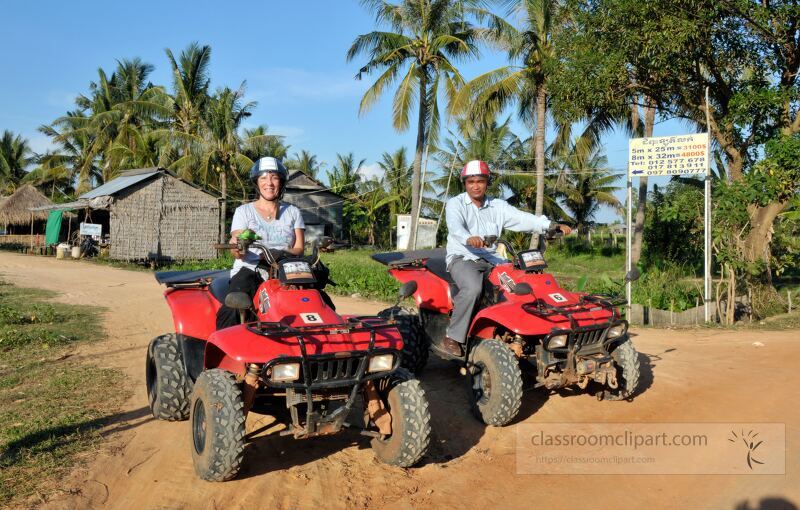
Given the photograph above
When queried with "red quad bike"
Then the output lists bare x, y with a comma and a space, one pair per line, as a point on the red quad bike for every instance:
524, 322
297, 360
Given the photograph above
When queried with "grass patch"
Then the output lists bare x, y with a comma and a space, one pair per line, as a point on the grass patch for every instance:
50, 407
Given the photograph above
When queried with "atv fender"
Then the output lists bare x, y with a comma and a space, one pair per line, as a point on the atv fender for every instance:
436, 291
510, 316
194, 311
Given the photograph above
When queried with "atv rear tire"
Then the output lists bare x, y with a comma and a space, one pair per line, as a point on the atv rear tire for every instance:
495, 382
627, 361
218, 429
167, 384
415, 345
411, 422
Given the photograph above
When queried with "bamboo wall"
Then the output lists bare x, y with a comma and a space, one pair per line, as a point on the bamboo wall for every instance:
164, 219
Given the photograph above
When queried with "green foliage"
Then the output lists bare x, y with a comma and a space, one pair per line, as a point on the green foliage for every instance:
673, 230
356, 273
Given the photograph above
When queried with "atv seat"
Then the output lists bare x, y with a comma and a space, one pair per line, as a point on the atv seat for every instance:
219, 288
438, 266
220, 279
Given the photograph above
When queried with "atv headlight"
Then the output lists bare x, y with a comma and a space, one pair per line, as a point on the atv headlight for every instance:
617, 331
557, 342
381, 363
285, 372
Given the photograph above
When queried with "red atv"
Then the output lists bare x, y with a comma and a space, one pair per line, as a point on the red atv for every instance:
524, 322
292, 357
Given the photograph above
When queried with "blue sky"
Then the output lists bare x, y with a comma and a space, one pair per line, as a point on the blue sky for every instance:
292, 55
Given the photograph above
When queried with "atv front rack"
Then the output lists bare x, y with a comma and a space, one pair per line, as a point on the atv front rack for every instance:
546, 311
326, 371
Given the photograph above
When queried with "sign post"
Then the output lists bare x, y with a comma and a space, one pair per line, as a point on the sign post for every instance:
665, 156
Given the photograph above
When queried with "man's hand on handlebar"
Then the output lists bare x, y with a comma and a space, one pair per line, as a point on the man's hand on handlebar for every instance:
565, 229
475, 242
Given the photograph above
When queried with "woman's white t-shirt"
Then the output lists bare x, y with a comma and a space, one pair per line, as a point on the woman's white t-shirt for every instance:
277, 233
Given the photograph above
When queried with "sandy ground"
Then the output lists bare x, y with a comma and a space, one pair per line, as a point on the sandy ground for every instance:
688, 376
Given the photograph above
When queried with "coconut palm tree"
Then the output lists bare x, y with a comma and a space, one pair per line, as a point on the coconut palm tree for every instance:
118, 111
524, 82
190, 82
397, 173
15, 157
345, 176
424, 40
220, 155
72, 157
259, 143
588, 184
305, 162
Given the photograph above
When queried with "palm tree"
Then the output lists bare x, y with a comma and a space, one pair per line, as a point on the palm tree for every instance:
397, 172
259, 143
15, 157
73, 155
305, 162
119, 110
588, 184
524, 84
344, 177
427, 37
190, 82
220, 154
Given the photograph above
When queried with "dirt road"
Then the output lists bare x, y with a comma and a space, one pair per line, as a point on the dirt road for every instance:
688, 376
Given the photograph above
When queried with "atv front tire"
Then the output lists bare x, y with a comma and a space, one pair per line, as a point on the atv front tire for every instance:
627, 360
495, 382
218, 429
167, 383
411, 421
415, 345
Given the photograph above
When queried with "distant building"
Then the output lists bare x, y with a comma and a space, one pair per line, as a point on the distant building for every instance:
321, 208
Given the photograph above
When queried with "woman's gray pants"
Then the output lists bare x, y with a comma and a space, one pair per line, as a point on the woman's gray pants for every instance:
468, 275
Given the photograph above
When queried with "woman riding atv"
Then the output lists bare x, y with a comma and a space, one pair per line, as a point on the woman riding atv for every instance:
279, 225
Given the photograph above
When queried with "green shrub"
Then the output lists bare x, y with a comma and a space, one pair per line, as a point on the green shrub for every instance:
355, 272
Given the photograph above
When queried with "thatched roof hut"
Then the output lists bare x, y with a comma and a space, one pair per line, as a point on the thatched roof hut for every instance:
152, 215
15, 210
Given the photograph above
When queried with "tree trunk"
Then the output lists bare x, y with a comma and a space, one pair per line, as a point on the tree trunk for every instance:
538, 140
641, 205
416, 179
223, 208
756, 244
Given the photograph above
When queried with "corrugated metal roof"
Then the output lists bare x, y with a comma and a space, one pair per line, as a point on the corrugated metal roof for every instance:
120, 183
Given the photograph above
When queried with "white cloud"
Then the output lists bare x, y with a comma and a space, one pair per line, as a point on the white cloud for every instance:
291, 133
61, 99
41, 143
292, 84
367, 172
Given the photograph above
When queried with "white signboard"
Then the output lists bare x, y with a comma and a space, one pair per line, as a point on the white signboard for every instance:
668, 155
91, 229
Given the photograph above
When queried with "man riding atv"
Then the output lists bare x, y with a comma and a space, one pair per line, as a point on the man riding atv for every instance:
470, 217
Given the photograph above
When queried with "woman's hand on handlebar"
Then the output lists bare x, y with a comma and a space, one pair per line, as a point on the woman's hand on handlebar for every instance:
235, 252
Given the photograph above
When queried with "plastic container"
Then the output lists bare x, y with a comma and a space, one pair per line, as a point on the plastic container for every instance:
62, 251
76, 252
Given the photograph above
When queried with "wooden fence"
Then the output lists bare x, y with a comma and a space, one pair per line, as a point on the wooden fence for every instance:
645, 315
25, 240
